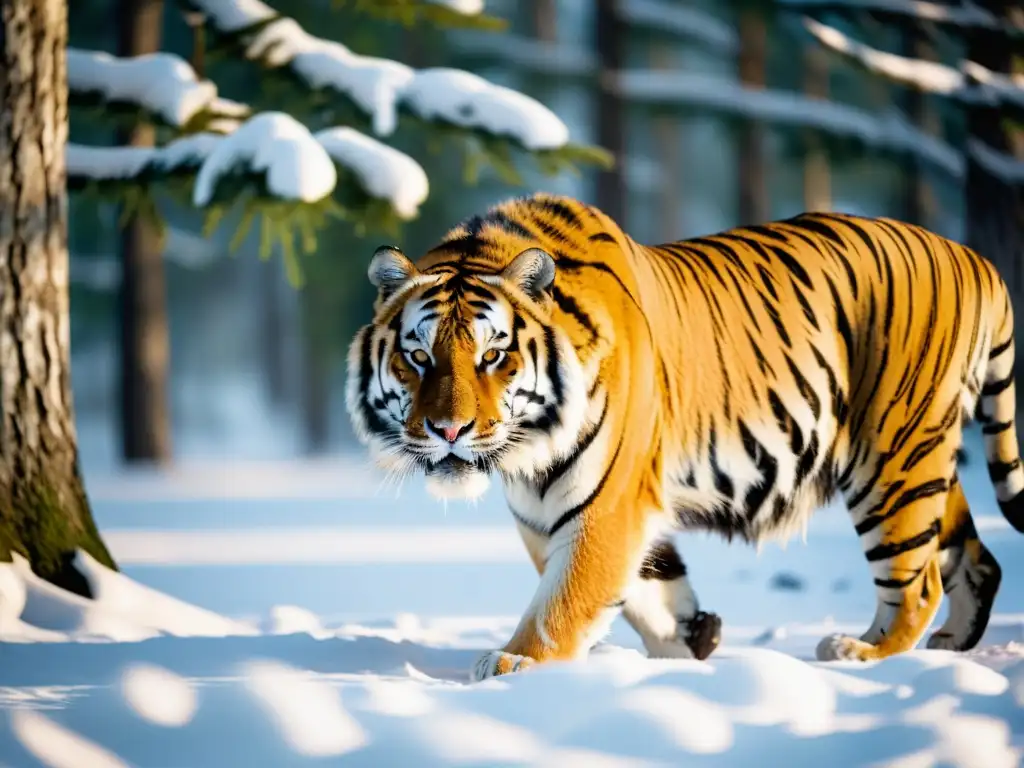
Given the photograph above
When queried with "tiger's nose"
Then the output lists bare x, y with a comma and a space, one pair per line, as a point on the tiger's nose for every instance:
449, 431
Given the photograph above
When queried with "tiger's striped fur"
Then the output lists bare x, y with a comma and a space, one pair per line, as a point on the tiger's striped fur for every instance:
731, 383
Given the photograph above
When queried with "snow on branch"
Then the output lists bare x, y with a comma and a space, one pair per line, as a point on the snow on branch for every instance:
680, 20
889, 131
379, 87
271, 152
383, 171
1005, 167
972, 83
161, 85
964, 15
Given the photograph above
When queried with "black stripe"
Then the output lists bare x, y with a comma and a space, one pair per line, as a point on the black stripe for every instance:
766, 465
663, 563
601, 237
892, 549
990, 390
996, 427
573, 513
557, 470
905, 499
999, 349
998, 471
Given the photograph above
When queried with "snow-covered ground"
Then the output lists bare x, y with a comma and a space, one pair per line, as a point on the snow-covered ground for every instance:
298, 614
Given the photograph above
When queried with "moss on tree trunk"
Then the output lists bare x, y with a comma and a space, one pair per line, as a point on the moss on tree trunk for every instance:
44, 512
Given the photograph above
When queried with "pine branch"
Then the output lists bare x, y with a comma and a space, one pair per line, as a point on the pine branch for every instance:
971, 83
381, 89
966, 15
159, 88
458, 14
887, 132
273, 169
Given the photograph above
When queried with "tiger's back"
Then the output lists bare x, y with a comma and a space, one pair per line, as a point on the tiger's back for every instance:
732, 382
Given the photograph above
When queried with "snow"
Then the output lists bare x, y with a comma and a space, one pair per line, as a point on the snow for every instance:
296, 165
925, 75
888, 130
686, 22
972, 83
1001, 165
966, 14
465, 7
380, 86
162, 83
120, 163
383, 171
464, 99
361, 655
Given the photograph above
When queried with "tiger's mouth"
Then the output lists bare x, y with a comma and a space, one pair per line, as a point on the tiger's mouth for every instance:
451, 466
454, 478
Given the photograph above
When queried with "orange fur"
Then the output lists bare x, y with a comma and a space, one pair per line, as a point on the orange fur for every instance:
730, 383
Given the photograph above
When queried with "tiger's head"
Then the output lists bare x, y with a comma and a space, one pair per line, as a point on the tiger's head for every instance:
461, 373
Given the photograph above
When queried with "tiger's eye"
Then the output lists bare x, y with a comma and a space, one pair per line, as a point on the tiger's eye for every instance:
420, 357
491, 356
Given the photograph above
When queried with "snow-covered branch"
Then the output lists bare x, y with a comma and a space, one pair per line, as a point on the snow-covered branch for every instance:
380, 87
971, 83
162, 86
272, 153
889, 131
680, 20
1004, 167
963, 15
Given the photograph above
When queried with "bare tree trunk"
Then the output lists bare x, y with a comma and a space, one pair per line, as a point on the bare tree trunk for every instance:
817, 181
995, 210
316, 384
44, 512
271, 320
666, 130
753, 64
611, 109
919, 202
145, 344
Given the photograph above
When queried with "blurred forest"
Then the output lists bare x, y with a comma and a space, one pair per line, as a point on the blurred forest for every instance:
718, 112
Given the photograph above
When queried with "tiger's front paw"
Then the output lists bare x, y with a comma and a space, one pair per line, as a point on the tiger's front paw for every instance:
494, 663
843, 648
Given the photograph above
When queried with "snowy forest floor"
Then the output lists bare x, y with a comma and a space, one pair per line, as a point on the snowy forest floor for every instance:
301, 614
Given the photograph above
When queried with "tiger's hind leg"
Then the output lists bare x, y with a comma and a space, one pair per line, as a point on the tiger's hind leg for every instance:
970, 577
898, 511
662, 608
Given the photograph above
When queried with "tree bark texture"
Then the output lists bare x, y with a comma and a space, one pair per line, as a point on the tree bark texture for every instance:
753, 64
44, 512
142, 304
610, 35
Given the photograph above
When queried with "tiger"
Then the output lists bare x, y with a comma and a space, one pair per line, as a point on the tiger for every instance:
732, 383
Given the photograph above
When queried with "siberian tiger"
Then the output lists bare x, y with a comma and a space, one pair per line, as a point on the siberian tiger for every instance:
731, 383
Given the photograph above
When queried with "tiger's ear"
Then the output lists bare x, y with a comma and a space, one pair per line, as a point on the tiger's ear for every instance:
389, 270
532, 271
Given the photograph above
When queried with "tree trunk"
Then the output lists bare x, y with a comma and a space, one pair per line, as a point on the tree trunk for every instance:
610, 35
919, 202
271, 321
145, 344
817, 181
316, 379
667, 138
44, 512
753, 63
995, 210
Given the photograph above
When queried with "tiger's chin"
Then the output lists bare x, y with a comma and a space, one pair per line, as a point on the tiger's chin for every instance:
452, 478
